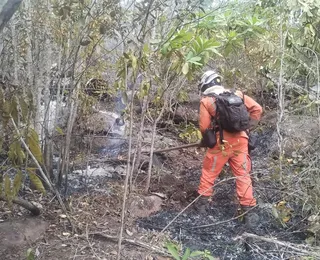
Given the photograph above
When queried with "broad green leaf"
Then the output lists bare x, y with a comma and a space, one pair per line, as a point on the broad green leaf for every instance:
199, 134
34, 146
173, 251
228, 49
36, 180
15, 154
196, 253
190, 55
196, 63
146, 48
214, 50
7, 187
195, 60
185, 68
17, 184
186, 254
126, 55
6, 111
30, 254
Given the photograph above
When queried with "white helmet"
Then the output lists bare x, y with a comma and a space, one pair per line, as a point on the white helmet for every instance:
208, 79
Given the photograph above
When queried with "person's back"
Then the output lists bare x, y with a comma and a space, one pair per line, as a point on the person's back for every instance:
233, 148
208, 112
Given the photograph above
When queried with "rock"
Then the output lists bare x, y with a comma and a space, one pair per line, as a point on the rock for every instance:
94, 172
108, 130
121, 170
144, 206
314, 92
186, 113
103, 122
298, 132
17, 233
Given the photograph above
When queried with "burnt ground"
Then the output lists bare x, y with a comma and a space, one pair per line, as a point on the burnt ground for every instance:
224, 226
94, 206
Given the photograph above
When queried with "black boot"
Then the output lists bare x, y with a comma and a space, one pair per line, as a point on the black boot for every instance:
251, 218
202, 204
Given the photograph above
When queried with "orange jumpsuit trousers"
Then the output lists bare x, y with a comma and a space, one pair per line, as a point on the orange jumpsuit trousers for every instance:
234, 150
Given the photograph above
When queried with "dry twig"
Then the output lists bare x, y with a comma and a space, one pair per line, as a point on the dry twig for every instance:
114, 239
298, 248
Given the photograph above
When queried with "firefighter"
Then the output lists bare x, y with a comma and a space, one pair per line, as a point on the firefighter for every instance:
233, 149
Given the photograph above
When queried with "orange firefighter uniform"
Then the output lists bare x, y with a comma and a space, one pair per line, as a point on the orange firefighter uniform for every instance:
233, 150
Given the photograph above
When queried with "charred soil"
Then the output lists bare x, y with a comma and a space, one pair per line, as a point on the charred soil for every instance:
94, 206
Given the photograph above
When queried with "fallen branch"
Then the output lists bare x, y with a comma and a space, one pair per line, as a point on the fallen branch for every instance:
298, 248
115, 239
25, 204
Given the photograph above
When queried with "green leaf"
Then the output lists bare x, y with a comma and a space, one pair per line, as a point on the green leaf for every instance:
173, 251
33, 143
7, 187
186, 254
17, 184
59, 130
146, 48
189, 55
185, 68
15, 154
30, 254
134, 63
36, 180
196, 253
6, 111
195, 60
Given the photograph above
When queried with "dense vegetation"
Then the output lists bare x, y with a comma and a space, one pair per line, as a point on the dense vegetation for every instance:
51, 50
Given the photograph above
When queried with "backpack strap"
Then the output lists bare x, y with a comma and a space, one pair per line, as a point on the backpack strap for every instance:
215, 119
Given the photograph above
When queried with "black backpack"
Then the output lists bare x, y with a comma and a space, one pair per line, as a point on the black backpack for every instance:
231, 113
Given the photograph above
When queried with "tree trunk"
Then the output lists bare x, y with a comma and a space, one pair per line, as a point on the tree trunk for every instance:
137, 156
7, 10
66, 149
49, 120
25, 204
14, 37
